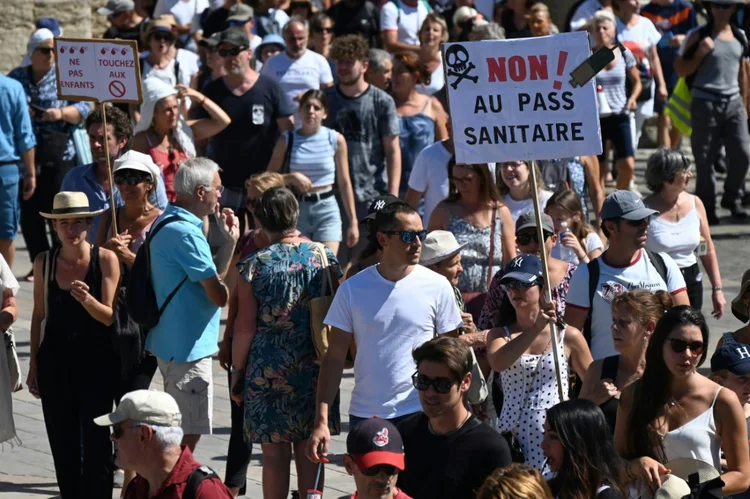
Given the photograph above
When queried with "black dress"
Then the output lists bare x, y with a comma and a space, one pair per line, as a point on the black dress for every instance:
609, 408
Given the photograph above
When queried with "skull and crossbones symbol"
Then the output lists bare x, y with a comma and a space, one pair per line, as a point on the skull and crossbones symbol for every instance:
457, 59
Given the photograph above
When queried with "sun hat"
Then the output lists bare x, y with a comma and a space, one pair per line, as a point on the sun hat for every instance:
464, 13
69, 204
524, 268
36, 39
738, 308
528, 219
116, 7
165, 22
375, 441
439, 245
145, 406
272, 39
134, 160
626, 205
701, 479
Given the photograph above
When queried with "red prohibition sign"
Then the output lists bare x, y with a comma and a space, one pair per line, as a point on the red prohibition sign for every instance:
117, 88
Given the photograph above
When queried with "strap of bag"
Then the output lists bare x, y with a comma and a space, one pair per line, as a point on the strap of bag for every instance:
45, 276
327, 278
593, 268
147, 249
491, 258
287, 165
194, 480
658, 262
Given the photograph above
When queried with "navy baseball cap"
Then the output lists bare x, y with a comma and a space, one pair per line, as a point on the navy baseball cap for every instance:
524, 268
734, 357
375, 441
626, 205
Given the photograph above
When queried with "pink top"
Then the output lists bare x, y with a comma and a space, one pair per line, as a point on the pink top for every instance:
168, 163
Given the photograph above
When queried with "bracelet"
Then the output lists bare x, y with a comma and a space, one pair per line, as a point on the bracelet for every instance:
717, 288
238, 369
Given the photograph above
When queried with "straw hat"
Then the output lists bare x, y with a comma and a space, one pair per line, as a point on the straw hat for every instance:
70, 205
165, 22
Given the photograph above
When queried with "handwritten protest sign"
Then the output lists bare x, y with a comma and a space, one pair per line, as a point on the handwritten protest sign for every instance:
98, 70
513, 99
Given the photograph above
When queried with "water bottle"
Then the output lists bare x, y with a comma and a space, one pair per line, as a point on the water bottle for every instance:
566, 254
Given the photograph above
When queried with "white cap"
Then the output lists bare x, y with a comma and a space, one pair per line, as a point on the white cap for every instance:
146, 406
134, 160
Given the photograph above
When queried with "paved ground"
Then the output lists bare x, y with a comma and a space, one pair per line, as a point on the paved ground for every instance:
27, 471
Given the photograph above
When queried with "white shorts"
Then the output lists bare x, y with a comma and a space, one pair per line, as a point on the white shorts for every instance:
191, 384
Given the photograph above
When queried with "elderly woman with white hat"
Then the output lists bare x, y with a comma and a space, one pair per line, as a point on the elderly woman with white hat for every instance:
165, 135
72, 362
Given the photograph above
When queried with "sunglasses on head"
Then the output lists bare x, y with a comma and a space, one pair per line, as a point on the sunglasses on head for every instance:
408, 236
679, 346
163, 37
440, 385
524, 239
507, 286
46, 50
131, 179
380, 468
233, 52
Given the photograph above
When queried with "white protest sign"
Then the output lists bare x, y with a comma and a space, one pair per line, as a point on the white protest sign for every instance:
98, 70
511, 99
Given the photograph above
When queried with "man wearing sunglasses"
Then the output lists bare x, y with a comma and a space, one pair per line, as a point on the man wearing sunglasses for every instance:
124, 21
625, 265
449, 452
388, 309
374, 457
259, 111
146, 432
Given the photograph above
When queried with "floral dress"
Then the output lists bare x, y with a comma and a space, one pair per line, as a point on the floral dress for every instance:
475, 255
282, 374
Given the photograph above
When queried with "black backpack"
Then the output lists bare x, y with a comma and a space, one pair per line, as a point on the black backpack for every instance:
656, 260
141, 298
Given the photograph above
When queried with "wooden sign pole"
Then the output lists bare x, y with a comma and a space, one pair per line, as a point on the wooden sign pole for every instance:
112, 206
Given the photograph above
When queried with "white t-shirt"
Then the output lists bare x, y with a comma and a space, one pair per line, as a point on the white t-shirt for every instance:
404, 18
583, 13
592, 242
437, 81
613, 281
189, 63
518, 208
389, 320
7, 279
297, 76
639, 39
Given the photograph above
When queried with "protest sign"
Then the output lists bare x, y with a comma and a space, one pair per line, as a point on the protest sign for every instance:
513, 99
98, 70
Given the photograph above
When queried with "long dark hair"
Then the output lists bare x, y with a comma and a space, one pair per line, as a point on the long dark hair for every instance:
590, 459
488, 192
651, 395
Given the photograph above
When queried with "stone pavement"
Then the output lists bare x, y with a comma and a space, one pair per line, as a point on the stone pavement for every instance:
27, 471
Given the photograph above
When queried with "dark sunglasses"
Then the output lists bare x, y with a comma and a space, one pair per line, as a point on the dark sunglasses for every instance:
679, 346
524, 239
324, 30
638, 223
46, 50
233, 52
118, 430
164, 37
440, 385
380, 468
408, 236
507, 286
131, 179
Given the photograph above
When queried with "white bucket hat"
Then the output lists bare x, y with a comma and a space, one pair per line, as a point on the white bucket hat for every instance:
439, 245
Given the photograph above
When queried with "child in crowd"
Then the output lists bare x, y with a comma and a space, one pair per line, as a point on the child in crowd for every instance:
565, 207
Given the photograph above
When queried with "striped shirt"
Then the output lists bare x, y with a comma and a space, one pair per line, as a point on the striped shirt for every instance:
613, 82
313, 156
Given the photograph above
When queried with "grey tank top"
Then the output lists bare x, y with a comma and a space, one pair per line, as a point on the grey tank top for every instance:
717, 76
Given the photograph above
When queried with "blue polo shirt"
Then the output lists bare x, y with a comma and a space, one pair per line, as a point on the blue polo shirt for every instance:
16, 133
189, 327
83, 179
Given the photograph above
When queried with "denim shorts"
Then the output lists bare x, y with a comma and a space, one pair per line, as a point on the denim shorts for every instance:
10, 204
320, 220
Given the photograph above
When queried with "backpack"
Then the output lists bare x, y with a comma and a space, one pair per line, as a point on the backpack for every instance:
593, 266
194, 480
705, 31
141, 298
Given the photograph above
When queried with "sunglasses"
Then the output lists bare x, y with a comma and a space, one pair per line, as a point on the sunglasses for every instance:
462, 180
507, 286
380, 468
440, 385
408, 236
233, 52
164, 37
118, 430
131, 179
46, 50
524, 239
679, 346
638, 223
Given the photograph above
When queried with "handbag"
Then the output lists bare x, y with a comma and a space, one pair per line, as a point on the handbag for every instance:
474, 300
319, 309
478, 391
14, 366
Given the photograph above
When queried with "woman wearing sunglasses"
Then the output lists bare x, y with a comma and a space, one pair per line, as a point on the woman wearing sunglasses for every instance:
165, 135
164, 60
520, 349
321, 29
675, 412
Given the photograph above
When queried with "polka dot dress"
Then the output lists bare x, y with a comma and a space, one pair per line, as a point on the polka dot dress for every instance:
515, 381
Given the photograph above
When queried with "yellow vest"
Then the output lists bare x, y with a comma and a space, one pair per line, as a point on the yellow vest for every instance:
678, 107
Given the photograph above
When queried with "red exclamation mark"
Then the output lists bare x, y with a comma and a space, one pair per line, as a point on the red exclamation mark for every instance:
561, 60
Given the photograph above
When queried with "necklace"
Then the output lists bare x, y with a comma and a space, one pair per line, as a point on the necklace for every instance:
432, 430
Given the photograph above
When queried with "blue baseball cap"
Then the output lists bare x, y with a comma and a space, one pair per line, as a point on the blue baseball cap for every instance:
524, 268
626, 205
734, 357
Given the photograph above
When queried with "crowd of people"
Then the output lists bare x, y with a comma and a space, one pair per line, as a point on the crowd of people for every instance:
293, 161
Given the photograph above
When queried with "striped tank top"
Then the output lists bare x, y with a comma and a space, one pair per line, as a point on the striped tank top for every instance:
313, 156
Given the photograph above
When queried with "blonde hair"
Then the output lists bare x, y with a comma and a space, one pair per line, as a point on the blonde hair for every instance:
515, 482
539, 7
435, 19
505, 190
264, 181
602, 16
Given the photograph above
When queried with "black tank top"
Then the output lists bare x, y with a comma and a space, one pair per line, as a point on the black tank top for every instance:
609, 408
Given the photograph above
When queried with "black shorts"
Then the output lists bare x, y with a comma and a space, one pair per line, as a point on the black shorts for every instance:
616, 129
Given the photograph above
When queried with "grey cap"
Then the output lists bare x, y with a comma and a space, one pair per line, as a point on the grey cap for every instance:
116, 7
528, 219
211, 41
626, 205
240, 12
